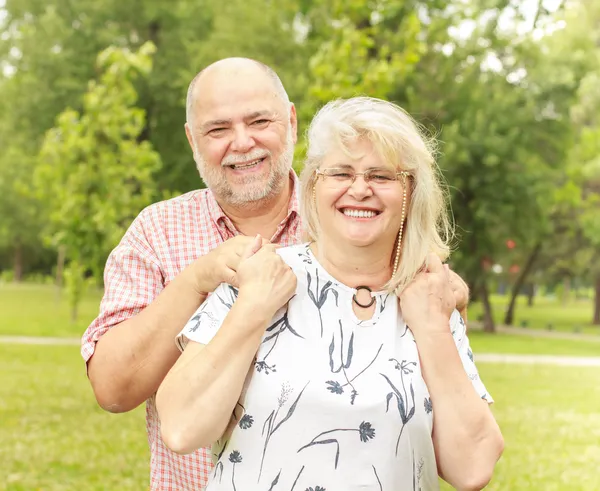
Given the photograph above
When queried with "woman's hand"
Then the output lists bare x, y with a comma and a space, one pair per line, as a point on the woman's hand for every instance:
264, 278
428, 301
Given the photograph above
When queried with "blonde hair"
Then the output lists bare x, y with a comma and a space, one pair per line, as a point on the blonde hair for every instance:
399, 141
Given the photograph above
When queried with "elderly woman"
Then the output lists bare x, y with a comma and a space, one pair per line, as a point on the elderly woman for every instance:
353, 368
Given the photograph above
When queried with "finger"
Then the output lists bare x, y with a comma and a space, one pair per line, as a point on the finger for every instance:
434, 264
231, 278
252, 248
271, 247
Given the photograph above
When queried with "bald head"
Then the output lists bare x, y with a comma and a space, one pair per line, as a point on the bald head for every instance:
240, 69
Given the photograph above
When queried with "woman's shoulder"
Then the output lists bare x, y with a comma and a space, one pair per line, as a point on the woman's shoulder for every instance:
296, 255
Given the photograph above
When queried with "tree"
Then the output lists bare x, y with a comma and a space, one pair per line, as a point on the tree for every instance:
94, 173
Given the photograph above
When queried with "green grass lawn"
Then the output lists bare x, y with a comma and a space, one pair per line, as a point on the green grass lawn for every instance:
55, 438
550, 419
482, 342
575, 314
33, 310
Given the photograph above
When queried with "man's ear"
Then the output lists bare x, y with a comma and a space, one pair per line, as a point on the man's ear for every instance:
190, 137
294, 123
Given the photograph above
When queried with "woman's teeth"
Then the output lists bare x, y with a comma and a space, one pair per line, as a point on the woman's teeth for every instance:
359, 213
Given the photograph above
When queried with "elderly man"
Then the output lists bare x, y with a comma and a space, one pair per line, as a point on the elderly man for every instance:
242, 129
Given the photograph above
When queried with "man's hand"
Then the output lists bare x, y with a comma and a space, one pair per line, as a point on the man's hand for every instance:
220, 265
461, 293
428, 301
265, 280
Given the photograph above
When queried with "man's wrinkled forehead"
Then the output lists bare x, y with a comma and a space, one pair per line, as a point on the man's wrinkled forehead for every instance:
234, 95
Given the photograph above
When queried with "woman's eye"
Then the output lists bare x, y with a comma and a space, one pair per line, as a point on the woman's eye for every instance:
341, 175
381, 177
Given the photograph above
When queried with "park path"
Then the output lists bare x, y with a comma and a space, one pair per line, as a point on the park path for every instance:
539, 333
40, 340
573, 361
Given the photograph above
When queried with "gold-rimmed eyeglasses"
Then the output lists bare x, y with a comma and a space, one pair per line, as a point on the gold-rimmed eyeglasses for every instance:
373, 177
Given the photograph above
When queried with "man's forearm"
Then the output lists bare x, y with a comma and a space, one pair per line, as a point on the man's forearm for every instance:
132, 358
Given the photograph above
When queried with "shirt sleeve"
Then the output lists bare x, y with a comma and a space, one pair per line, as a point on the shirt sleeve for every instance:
459, 333
133, 278
209, 317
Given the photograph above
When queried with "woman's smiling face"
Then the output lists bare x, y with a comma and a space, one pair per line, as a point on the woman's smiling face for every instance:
359, 213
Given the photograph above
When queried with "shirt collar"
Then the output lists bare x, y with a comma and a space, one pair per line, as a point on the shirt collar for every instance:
220, 219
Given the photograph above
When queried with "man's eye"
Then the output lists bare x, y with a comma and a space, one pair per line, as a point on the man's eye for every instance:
260, 122
216, 131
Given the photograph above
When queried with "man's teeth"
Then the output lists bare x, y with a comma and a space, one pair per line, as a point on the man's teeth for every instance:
246, 166
359, 213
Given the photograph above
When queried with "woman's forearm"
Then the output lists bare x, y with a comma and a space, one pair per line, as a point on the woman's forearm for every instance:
466, 437
199, 394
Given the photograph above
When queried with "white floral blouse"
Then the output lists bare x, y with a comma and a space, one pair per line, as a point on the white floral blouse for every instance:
332, 403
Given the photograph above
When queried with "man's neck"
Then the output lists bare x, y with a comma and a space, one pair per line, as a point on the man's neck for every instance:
262, 217
355, 266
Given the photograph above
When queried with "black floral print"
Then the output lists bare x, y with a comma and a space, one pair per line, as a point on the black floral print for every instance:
246, 422
334, 387
470, 354
428, 405
271, 425
229, 296
305, 256
365, 430
200, 318
401, 398
377, 477
297, 477
345, 361
320, 297
235, 458
274, 331
275, 481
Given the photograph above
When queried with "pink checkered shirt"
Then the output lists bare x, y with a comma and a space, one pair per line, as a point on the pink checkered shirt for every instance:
161, 242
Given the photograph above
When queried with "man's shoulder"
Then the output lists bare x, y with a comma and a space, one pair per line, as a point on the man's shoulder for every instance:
194, 202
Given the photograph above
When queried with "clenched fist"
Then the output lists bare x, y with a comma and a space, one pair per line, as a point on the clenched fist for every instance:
428, 301
264, 278
220, 265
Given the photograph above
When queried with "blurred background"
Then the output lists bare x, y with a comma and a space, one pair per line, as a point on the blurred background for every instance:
92, 108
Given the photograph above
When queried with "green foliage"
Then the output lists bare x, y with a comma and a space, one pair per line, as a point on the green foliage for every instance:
94, 173
512, 103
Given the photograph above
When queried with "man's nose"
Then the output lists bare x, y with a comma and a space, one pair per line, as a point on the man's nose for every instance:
242, 139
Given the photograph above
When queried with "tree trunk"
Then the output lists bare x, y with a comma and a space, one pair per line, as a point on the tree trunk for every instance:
530, 294
488, 319
18, 263
74, 313
596, 321
566, 290
60, 266
510, 311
